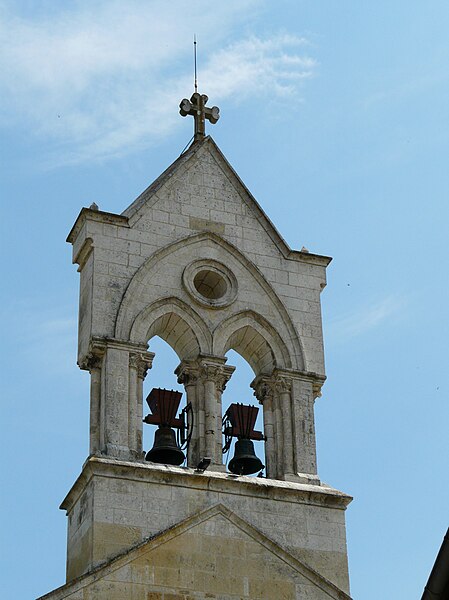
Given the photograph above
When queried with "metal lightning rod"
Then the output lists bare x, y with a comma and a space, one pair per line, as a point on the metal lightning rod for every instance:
194, 60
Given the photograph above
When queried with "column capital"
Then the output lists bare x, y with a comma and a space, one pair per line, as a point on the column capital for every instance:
187, 372
213, 368
283, 383
93, 359
142, 361
315, 379
263, 386
99, 345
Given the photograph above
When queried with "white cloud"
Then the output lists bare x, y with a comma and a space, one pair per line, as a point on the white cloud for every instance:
100, 79
357, 323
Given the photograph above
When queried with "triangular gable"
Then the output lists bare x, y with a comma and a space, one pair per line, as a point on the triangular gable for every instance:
161, 552
149, 196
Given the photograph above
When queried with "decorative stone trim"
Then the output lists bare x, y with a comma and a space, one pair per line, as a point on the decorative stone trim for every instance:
142, 361
316, 379
210, 283
187, 373
283, 383
216, 371
94, 359
263, 388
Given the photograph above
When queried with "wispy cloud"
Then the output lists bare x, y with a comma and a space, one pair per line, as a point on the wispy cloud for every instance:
99, 79
45, 338
359, 322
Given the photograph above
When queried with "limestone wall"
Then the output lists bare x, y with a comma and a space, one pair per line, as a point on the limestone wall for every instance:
114, 505
202, 195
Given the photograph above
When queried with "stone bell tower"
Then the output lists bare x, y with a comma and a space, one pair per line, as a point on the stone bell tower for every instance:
195, 261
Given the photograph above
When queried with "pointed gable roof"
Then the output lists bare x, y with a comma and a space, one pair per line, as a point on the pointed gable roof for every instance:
139, 551
148, 197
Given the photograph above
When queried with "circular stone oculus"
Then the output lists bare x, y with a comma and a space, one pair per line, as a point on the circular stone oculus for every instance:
210, 283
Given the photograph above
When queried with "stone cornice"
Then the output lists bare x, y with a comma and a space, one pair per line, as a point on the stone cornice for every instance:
95, 215
321, 495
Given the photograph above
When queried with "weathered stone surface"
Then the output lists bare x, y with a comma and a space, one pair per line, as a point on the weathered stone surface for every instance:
137, 281
174, 209
213, 554
195, 261
116, 504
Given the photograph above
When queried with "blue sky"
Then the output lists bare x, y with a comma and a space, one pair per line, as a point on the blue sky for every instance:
336, 116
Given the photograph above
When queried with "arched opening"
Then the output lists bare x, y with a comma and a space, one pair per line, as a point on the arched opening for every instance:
238, 390
161, 375
178, 334
250, 344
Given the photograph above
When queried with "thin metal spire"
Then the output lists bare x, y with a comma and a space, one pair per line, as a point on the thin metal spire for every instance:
194, 60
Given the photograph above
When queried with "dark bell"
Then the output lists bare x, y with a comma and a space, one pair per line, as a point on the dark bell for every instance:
245, 460
165, 450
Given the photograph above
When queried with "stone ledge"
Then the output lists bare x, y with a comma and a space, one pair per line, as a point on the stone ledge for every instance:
95, 215
287, 491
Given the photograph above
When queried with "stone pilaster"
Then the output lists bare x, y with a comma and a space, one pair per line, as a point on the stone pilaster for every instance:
306, 388
287, 398
264, 392
139, 364
117, 372
283, 387
93, 363
294, 409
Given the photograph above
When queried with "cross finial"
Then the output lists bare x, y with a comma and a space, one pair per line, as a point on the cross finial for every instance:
196, 107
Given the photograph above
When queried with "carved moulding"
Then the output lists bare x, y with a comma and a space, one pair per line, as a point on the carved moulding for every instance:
98, 347
142, 362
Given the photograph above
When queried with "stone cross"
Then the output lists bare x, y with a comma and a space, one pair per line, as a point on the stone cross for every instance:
196, 107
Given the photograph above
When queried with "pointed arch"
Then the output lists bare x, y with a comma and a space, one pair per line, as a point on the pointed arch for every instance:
133, 302
255, 339
176, 323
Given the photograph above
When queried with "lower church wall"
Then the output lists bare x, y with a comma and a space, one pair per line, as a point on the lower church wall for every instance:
115, 505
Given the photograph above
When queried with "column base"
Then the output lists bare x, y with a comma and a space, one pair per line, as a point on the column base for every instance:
121, 453
217, 468
301, 478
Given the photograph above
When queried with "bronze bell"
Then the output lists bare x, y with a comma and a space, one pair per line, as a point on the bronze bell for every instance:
245, 461
165, 449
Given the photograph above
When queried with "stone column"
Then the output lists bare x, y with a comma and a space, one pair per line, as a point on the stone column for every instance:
188, 375
306, 387
264, 392
116, 396
93, 363
214, 375
139, 364
283, 386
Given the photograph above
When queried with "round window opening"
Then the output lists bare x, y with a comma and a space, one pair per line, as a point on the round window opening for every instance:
210, 284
